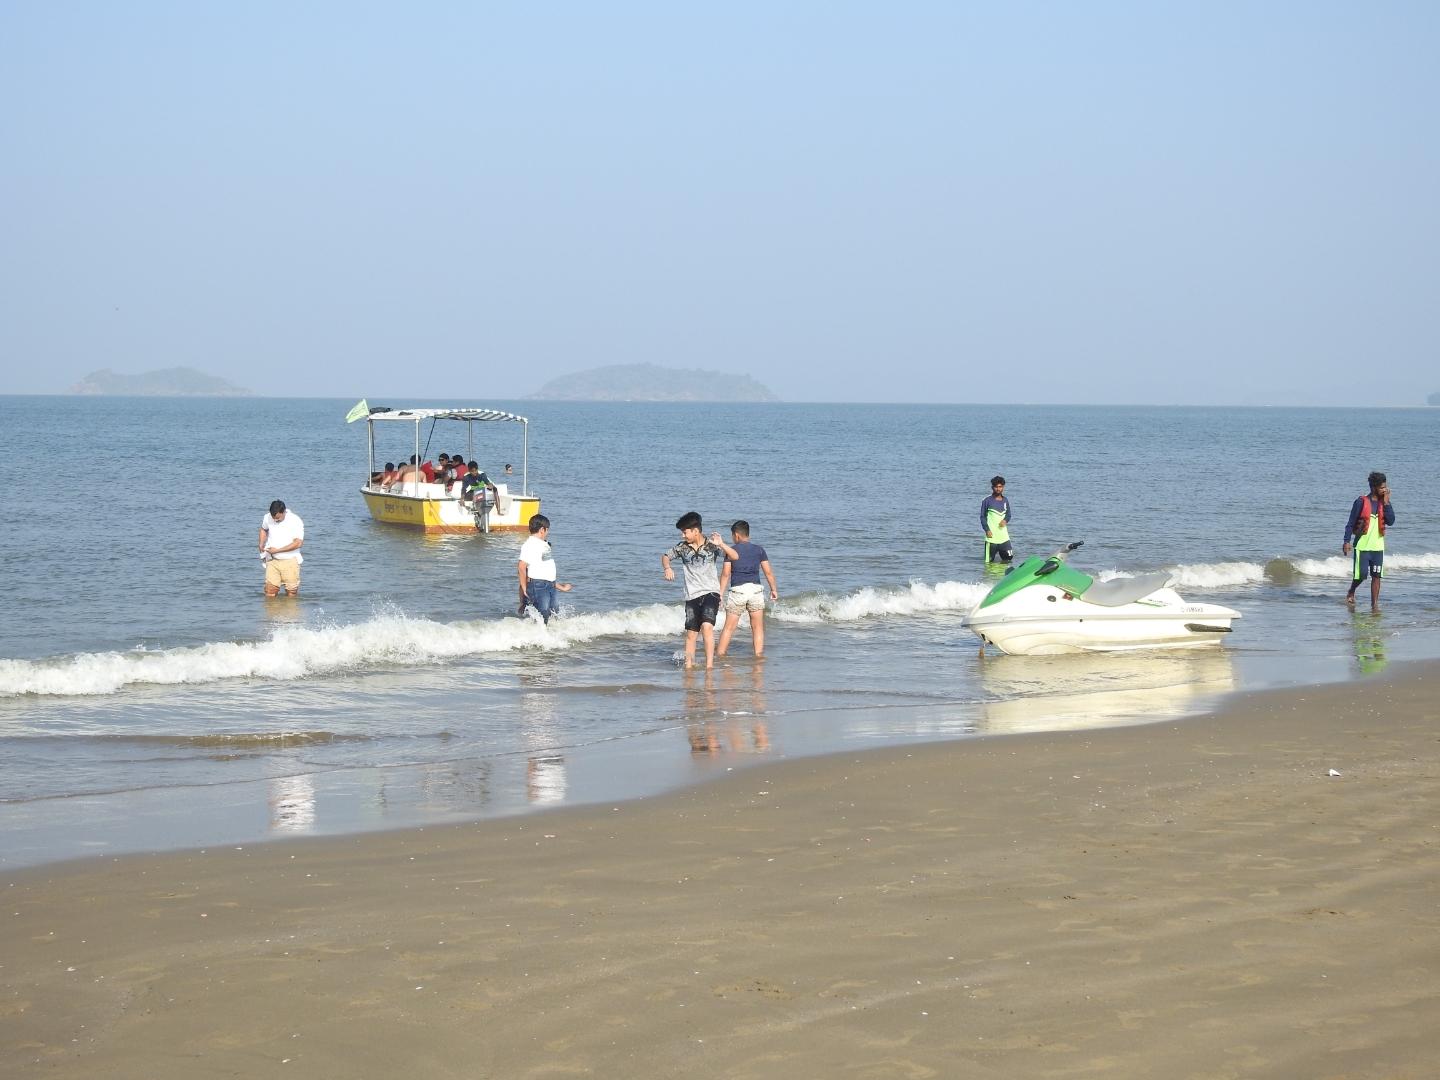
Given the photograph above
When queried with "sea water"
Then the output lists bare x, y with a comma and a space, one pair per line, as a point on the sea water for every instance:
151, 697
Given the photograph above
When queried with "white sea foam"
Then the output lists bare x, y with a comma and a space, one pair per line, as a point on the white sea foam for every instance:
1201, 575
869, 602
1342, 566
1222, 575
296, 652
392, 638
1216, 575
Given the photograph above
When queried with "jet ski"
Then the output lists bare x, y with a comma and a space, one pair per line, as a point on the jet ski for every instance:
1043, 606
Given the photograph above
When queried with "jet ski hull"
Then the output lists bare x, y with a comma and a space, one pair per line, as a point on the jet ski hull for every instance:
1043, 621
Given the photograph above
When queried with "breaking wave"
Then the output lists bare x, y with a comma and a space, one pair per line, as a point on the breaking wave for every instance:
870, 602
295, 652
1223, 575
394, 639
1342, 566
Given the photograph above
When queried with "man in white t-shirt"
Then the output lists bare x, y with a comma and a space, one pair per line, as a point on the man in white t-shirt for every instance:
281, 534
537, 569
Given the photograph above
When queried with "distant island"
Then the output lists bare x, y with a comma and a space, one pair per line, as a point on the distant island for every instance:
650, 382
168, 382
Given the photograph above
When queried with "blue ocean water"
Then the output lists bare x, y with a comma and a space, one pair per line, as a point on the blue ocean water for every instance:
150, 696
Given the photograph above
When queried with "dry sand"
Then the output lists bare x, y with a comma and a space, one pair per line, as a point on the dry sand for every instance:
1189, 899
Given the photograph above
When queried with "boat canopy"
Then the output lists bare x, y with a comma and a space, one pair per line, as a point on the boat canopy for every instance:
469, 415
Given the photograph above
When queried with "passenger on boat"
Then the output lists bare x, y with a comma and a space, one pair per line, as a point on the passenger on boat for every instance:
476, 481
384, 478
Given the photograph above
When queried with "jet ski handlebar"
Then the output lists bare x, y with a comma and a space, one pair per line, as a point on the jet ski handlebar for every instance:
1050, 565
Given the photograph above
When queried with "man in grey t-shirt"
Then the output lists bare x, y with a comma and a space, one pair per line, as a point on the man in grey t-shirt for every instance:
701, 561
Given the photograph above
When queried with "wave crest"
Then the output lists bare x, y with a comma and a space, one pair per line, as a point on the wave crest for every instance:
869, 602
392, 638
295, 652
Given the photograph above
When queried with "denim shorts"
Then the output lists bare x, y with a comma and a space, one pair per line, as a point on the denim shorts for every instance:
701, 610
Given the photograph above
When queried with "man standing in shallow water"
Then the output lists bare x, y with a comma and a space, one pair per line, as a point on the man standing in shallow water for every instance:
281, 534
995, 520
700, 559
740, 589
1370, 516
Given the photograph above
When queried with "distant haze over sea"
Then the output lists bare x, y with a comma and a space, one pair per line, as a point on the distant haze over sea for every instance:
651, 382
165, 382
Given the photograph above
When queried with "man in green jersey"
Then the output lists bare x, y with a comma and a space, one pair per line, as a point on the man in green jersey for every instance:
995, 520
1370, 516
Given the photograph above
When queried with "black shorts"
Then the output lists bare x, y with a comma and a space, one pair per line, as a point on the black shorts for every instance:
999, 552
701, 610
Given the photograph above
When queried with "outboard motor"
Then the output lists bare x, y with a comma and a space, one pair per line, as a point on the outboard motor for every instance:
480, 506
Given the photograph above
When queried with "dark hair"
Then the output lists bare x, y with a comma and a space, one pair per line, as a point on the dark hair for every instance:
538, 522
277, 507
740, 528
508, 465
1376, 479
996, 480
688, 521
474, 465
389, 466
445, 456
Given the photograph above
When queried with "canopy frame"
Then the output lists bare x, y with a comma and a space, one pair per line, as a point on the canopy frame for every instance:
469, 417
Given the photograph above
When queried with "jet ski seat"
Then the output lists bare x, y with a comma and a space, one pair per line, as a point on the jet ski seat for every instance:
1126, 590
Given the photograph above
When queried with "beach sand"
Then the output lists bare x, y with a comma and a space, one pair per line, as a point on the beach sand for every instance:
1197, 898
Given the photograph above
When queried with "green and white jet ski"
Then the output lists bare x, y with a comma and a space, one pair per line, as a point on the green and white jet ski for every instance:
1042, 607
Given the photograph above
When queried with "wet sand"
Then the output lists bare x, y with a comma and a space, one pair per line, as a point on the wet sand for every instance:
1189, 899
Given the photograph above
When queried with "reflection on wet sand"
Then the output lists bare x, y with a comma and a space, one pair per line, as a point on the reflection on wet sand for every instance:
1065, 693
546, 781
725, 710
456, 785
1369, 633
292, 804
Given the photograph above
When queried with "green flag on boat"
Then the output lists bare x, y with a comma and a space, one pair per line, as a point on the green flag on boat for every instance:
359, 412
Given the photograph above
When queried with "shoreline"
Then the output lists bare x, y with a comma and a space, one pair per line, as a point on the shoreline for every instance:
1195, 897
339, 799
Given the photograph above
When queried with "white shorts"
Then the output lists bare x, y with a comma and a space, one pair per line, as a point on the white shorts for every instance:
747, 597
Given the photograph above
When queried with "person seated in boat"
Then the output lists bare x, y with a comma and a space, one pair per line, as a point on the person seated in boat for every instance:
385, 477
424, 469
476, 483
456, 473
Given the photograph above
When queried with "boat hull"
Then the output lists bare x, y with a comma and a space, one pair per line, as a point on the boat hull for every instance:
435, 513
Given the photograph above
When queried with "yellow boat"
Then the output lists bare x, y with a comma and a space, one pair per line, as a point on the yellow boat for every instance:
439, 508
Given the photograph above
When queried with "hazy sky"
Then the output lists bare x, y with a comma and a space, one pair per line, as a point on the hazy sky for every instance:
1033, 202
